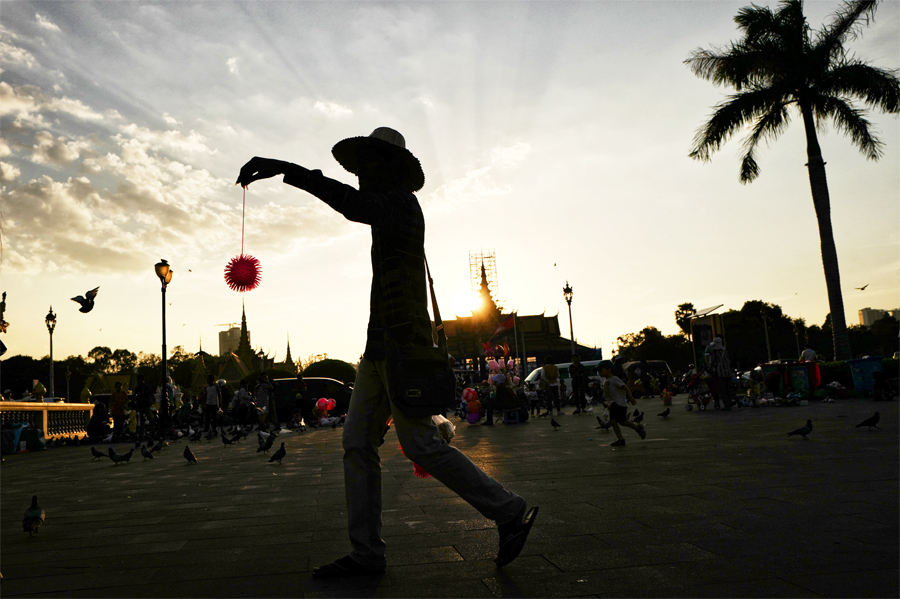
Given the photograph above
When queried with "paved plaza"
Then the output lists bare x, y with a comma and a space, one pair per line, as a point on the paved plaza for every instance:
711, 504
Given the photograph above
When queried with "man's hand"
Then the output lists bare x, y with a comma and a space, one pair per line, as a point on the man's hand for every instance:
261, 168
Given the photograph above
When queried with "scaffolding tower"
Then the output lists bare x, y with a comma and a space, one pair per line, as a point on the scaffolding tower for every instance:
488, 259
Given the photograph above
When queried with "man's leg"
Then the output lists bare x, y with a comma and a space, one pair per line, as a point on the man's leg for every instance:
363, 428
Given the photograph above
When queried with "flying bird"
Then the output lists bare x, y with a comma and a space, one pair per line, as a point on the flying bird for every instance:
33, 518
665, 413
278, 455
870, 422
555, 424
189, 455
863, 288
147, 454
86, 300
803, 431
97, 455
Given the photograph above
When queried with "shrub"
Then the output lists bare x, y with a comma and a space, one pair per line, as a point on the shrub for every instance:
333, 369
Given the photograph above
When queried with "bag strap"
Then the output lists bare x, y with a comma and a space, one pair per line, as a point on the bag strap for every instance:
438, 323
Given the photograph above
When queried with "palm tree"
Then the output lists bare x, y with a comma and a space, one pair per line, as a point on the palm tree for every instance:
781, 65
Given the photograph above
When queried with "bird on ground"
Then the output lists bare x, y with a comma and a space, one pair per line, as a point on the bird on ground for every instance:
33, 518
278, 455
195, 436
555, 424
97, 455
870, 422
159, 445
237, 437
863, 288
665, 413
147, 454
109, 438
189, 455
803, 431
604, 426
225, 440
266, 445
120, 458
212, 433
639, 418
86, 300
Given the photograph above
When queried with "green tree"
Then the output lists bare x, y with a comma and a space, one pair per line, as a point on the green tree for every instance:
334, 369
683, 317
122, 360
778, 66
101, 358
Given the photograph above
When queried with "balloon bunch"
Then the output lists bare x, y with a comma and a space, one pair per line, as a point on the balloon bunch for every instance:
326, 404
473, 406
502, 370
491, 351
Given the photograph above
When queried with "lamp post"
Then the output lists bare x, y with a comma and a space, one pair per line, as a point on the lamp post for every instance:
50, 319
567, 293
165, 277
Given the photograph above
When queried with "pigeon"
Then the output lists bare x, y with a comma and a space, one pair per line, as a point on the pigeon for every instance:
803, 431
638, 418
109, 438
225, 440
665, 413
195, 436
604, 426
120, 458
147, 454
278, 455
266, 445
236, 437
33, 518
555, 424
870, 422
86, 300
863, 288
158, 446
189, 455
97, 455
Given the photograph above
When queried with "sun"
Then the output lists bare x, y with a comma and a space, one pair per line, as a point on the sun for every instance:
465, 302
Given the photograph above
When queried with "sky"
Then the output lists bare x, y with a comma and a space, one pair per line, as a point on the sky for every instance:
554, 133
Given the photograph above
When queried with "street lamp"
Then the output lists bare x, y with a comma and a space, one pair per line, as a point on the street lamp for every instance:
50, 319
165, 277
567, 293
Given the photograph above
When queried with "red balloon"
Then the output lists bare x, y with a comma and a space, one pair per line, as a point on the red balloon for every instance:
321, 403
330, 405
469, 394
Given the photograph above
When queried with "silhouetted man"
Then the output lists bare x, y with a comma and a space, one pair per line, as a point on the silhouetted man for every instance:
388, 174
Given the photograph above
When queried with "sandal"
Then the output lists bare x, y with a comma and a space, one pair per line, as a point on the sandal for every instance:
345, 567
513, 537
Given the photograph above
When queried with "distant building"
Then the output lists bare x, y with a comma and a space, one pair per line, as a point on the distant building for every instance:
534, 336
868, 316
229, 340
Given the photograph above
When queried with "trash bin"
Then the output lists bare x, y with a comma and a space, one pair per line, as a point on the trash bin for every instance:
862, 369
804, 378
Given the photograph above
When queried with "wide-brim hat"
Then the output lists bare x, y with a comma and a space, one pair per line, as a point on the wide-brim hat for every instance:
385, 140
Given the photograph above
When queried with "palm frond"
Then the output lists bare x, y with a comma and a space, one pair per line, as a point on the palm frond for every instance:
848, 22
768, 127
851, 121
878, 88
729, 116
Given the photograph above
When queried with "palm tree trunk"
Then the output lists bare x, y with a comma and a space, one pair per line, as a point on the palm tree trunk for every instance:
819, 187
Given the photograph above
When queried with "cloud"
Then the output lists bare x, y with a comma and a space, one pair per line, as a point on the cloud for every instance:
170, 120
8, 172
172, 140
332, 110
510, 155
13, 55
28, 102
44, 23
4, 148
59, 151
232, 65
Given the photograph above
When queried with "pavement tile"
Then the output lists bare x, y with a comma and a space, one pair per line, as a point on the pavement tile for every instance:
711, 504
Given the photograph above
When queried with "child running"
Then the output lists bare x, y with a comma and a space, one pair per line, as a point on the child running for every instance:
616, 391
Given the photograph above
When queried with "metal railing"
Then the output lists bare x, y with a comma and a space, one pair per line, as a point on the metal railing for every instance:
55, 419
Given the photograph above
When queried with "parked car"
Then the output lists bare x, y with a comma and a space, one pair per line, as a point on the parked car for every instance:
316, 387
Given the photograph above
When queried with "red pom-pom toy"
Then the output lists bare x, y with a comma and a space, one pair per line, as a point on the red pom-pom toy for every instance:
243, 273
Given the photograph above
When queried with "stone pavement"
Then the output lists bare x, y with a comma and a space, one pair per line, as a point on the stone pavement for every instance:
711, 504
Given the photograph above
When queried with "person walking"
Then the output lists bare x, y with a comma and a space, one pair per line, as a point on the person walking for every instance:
143, 398
263, 392
211, 405
719, 367
388, 175
578, 373
618, 395
117, 402
549, 378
